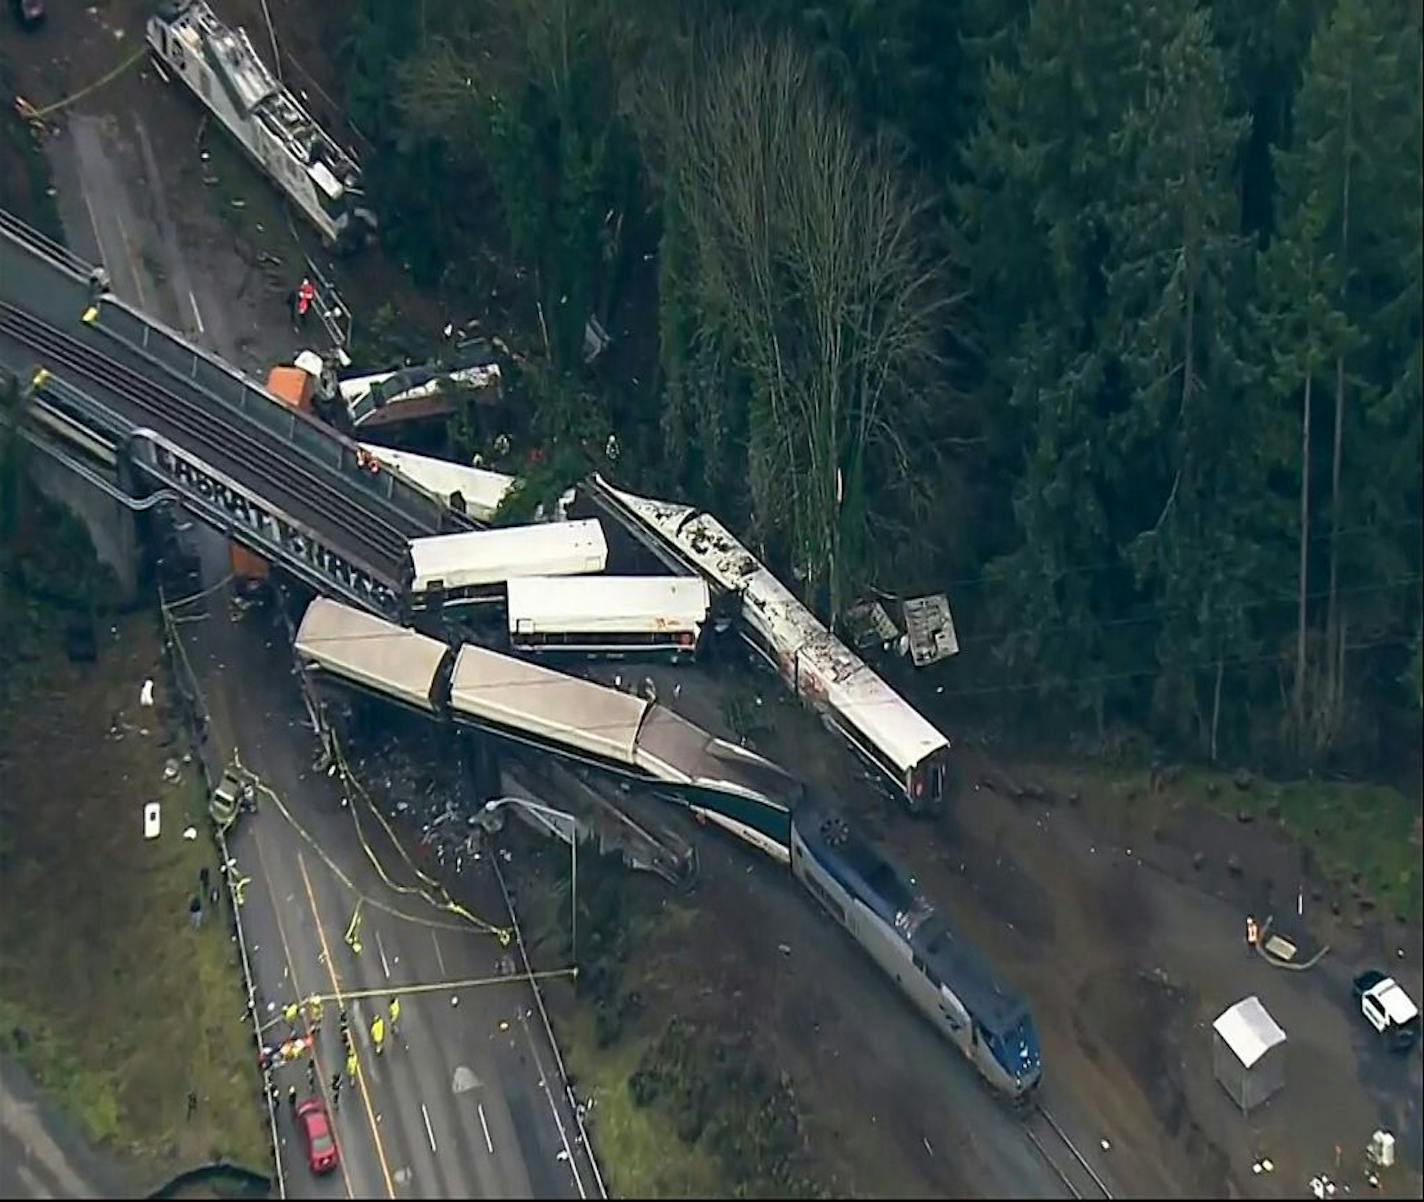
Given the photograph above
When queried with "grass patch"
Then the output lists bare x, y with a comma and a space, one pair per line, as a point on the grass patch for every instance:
637, 1146
1349, 829
122, 1007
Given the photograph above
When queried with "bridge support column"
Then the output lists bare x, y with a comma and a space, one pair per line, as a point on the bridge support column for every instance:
112, 526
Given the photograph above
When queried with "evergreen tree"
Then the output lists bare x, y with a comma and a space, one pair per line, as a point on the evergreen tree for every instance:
1187, 449
1349, 228
1031, 232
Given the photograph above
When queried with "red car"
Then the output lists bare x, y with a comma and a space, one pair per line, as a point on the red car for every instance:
316, 1134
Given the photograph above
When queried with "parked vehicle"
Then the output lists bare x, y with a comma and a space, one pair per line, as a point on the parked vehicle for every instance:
317, 1136
1388, 1009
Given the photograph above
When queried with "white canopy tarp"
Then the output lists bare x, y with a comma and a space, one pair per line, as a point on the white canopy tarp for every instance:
1248, 1052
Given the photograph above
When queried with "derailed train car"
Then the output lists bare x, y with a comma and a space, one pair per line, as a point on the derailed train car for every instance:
566, 715
718, 782
894, 738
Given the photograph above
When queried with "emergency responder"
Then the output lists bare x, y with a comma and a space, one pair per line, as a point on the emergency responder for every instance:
351, 1064
306, 294
1253, 932
378, 1034
336, 1091
395, 1015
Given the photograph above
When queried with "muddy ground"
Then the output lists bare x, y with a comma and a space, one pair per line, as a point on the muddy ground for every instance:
1126, 943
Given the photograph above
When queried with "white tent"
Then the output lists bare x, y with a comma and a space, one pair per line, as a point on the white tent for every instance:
1248, 1053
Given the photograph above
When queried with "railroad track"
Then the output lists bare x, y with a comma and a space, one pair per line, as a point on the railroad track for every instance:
209, 426
45, 247
1061, 1154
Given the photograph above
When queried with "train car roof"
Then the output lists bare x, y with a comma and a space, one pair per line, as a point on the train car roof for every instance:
489, 556
369, 651
671, 746
700, 536
856, 690
608, 600
963, 968
482, 490
588, 717
867, 875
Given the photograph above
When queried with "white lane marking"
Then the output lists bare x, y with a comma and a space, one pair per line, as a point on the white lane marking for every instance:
193, 300
429, 1133
385, 968
439, 959
488, 1143
553, 1106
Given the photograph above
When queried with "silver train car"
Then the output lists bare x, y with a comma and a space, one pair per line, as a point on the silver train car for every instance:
221, 68
946, 979
577, 719
910, 757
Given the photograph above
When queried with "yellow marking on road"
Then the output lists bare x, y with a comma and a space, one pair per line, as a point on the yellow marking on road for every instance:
296, 984
339, 998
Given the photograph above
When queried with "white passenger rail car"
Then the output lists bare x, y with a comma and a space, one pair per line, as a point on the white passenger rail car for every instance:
908, 752
220, 67
460, 569
545, 710
608, 615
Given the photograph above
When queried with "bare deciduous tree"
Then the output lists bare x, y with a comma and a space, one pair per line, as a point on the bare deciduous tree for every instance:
807, 252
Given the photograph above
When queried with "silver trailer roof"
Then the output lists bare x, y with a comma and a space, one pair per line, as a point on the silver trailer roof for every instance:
366, 650
591, 604
497, 688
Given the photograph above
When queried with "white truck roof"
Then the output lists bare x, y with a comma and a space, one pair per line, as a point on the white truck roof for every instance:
607, 603
1398, 1005
494, 556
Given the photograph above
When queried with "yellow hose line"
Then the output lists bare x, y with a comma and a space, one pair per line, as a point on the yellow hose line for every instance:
30, 113
518, 978
445, 902
336, 869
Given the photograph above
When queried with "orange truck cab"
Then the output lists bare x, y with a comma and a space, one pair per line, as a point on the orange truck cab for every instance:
294, 388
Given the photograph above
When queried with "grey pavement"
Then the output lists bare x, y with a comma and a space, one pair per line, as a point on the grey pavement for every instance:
467, 1101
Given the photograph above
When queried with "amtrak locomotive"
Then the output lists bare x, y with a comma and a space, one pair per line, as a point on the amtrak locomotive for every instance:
945, 978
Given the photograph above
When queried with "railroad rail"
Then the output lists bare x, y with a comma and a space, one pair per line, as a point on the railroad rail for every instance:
47, 248
1067, 1162
266, 458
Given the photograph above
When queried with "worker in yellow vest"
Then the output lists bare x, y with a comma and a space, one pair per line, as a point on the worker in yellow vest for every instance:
378, 1033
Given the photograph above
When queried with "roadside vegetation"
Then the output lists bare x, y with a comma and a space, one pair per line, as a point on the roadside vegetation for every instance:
685, 1105
109, 999
107, 995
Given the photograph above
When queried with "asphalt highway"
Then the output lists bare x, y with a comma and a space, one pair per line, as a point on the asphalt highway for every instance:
466, 1100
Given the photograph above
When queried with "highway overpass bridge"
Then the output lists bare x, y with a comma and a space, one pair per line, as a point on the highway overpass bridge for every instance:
138, 410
